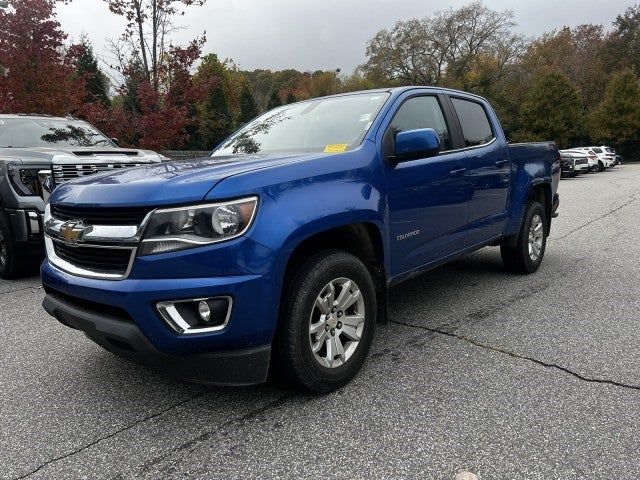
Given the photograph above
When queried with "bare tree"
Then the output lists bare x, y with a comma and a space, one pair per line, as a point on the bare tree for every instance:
448, 43
145, 40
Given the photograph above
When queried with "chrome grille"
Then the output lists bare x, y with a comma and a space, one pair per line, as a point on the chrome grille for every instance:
62, 173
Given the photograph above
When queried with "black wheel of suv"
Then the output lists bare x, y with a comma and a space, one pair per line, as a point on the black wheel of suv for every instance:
328, 322
10, 262
600, 166
526, 256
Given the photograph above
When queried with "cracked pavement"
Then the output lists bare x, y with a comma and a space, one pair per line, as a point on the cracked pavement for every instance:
504, 376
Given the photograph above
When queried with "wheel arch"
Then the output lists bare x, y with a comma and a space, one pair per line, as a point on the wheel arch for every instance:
362, 239
541, 192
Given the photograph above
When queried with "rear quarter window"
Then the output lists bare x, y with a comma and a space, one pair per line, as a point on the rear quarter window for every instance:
476, 127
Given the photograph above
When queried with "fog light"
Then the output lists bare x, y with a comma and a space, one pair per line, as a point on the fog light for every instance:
204, 311
199, 315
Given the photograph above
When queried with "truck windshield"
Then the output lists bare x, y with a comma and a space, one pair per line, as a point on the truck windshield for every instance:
43, 132
331, 125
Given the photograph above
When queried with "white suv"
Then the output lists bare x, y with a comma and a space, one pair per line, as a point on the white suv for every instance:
606, 156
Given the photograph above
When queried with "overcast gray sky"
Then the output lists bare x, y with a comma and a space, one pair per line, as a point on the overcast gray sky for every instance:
319, 34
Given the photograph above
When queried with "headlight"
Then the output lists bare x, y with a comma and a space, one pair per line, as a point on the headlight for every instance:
173, 229
25, 180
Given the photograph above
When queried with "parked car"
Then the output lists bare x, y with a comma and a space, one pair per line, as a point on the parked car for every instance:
610, 155
605, 156
277, 251
592, 157
574, 162
36, 154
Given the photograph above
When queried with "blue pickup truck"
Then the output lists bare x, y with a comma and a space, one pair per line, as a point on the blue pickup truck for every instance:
274, 255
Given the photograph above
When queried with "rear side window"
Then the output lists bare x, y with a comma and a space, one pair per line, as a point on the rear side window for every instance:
422, 112
597, 150
475, 124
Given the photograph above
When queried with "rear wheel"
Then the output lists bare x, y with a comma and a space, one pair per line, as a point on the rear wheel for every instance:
526, 255
600, 166
328, 322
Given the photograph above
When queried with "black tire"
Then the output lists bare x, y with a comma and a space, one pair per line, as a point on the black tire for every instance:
516, 257
294, 359
600, 166
11, 262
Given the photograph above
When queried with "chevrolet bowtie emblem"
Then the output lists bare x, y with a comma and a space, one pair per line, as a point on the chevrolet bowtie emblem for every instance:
71, 232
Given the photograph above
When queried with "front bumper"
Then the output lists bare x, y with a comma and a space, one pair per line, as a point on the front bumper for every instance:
241, 270
122, 337
26, 226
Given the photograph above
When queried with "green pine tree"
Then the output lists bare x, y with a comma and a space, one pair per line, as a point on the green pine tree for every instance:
552, 110
214, 113
248, 106
617, 119
97, 83
274, 100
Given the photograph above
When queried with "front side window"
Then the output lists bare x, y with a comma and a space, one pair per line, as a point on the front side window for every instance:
26, 132
475, 124
422, 112
331, 125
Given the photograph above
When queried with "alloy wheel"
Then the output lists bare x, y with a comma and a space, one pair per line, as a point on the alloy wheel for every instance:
536, 237
336, 322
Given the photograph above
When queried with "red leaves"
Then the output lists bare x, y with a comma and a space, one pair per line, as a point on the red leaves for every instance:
39, 76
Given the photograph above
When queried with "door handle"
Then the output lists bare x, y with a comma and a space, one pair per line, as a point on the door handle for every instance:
501, 163
457, 172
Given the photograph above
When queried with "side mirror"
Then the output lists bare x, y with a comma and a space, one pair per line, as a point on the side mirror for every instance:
115, 140
413, 144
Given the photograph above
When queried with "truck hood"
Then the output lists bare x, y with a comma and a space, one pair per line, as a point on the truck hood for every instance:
167, 183
79, 155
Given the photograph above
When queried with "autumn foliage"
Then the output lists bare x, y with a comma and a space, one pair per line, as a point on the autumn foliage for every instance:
38, 73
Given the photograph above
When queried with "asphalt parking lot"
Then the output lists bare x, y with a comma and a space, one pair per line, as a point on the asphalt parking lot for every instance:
505, 376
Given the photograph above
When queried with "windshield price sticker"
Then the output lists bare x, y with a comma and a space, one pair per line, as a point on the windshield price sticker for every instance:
336, 148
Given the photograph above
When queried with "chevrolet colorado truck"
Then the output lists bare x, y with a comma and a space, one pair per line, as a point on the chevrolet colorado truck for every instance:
36, 154
275, 254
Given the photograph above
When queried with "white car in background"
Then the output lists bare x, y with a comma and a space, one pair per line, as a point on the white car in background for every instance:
592, 157
606, 156
574, 162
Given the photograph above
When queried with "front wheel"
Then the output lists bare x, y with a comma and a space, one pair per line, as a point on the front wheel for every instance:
526, 255
10, 261
328, 322
600, 166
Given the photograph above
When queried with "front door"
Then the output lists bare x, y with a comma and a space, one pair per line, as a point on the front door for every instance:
428, 197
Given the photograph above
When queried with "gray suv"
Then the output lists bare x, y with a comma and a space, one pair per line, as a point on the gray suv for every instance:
37, 153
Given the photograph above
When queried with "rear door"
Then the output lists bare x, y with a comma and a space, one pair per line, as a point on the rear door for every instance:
428, 197
489, 170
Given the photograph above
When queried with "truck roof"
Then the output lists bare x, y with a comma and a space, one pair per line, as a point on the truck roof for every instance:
399, 90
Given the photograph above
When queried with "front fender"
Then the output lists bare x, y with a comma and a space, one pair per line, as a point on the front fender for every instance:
303, 199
